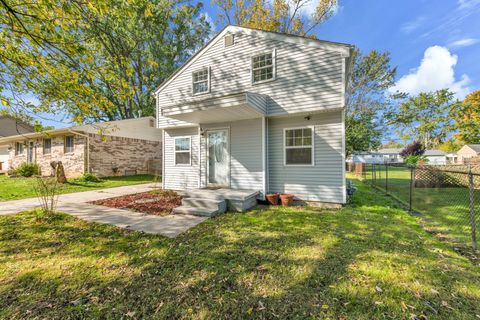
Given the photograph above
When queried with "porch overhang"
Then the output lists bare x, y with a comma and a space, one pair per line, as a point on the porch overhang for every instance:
239, 106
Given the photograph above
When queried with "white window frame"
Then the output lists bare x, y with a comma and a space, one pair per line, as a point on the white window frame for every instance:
182, 151
208, 81
285, 147
43, 146
65, 144
274, 66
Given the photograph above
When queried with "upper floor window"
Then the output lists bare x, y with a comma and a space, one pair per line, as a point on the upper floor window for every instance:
69, 144
201, 81
47, 146
18, 148
263, 67
299, 146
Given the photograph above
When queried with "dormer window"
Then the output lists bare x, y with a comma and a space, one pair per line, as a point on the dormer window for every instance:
263, 67
201, 81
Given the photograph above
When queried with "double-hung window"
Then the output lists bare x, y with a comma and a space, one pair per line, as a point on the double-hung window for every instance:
298, 146
18, 148
47, 146
263, 67
69, 144
201, 81
183, 150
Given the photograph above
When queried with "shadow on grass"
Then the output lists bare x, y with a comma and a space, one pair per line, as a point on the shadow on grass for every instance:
365, 261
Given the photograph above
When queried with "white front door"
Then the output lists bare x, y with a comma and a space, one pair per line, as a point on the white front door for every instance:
218, 158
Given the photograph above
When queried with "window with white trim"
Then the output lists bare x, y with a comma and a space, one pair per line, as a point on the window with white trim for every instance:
263, 67
201, 81
298, 144
183, 150
18, 148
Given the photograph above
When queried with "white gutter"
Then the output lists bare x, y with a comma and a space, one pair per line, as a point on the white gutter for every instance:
88, 146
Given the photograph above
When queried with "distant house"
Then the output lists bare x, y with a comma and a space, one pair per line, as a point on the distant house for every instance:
467, 152
436, 157
121, 147
392, 155
10, 126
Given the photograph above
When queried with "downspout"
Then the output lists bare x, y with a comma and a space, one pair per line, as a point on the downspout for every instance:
88, 146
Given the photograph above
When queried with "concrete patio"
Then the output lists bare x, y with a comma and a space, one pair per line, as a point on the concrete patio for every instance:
76, 204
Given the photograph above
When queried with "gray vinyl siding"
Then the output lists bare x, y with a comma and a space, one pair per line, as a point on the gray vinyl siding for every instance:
181, 176
246, 166
325, 180
307, 78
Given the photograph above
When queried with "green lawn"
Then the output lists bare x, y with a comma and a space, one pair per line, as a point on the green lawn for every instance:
20, 188
366, 261
445, 210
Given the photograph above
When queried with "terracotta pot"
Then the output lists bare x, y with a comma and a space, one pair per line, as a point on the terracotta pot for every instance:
272, 198
287, 199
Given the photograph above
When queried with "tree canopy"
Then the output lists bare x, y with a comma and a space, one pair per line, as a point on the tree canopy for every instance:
467, 118
95, 60
286, 16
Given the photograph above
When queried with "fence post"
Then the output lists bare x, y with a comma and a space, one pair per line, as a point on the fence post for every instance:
473, 222
386, 178
412, 183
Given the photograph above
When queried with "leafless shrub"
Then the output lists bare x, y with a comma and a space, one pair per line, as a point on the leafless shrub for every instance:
46, 189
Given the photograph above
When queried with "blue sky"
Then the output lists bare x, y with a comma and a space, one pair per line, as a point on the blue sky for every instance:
434, 44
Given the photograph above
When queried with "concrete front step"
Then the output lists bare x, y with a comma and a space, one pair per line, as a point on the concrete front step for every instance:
220, 205
196, 211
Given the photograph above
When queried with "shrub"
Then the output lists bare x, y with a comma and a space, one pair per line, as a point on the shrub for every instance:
46, 189
414, 149
89, 177
27, 169
411, 159
166, 193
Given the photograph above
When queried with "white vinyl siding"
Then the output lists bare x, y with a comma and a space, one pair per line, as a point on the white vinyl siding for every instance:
181, 176
306, 78
321, 182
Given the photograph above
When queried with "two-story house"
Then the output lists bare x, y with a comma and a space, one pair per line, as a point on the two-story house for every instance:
257, 110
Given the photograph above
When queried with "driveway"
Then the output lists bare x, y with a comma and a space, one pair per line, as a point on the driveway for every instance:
76, 204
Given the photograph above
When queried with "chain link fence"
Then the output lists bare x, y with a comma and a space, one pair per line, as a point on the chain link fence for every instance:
446, 198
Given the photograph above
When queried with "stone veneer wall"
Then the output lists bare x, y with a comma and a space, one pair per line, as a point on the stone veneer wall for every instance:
73, 162
128, 155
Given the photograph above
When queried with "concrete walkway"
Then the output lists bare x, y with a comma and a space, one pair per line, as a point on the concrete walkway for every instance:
76, 204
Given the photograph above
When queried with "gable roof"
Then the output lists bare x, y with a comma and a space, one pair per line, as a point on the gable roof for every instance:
474, 147
343, 48
434, 153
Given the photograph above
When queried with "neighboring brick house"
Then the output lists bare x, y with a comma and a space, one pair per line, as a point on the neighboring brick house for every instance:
121, 147
467, 152
10, 126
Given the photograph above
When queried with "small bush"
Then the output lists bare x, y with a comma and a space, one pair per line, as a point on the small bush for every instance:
415, 159
89, 177
164, 193
27, 169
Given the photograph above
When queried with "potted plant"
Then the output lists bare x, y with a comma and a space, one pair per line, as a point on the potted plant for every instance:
272, 198
287, 199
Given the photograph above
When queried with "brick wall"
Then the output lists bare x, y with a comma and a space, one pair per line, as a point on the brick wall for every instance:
74, 162
127, 155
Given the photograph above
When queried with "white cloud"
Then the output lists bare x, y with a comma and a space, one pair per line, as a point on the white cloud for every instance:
436, 71
308, 7
463, 42
412, 25
467, 4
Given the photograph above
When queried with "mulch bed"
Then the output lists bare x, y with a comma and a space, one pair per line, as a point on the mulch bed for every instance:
145, 202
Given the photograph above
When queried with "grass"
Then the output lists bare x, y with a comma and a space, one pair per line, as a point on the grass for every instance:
369, 260
444, 210
21, 188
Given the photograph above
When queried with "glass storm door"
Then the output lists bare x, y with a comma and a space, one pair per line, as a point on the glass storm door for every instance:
218, 158
30, 152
